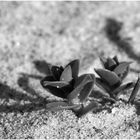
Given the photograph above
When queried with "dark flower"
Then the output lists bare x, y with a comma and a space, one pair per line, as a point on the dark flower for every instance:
65, 83
112, 64
60, 83
110, 79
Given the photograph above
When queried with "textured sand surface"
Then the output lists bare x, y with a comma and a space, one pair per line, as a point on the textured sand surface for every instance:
35, 33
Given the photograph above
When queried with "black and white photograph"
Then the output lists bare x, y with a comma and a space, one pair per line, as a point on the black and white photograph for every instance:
70, 69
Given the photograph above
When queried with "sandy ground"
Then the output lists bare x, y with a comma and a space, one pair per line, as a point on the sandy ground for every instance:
35, 33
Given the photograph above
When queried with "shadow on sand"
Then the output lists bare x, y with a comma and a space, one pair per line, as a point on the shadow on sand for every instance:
33, 99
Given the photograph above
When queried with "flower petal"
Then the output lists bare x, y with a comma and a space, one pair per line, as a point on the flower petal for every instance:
74, 67
86, 91
122, 69
102, 84
123, 87
84, 78
49, 81
98, 94
57, 84
66, 74
56, 106
108, 76
125, 73
47, 78
81, 82
43, 66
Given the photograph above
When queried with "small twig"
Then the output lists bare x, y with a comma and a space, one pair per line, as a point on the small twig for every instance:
135, 91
